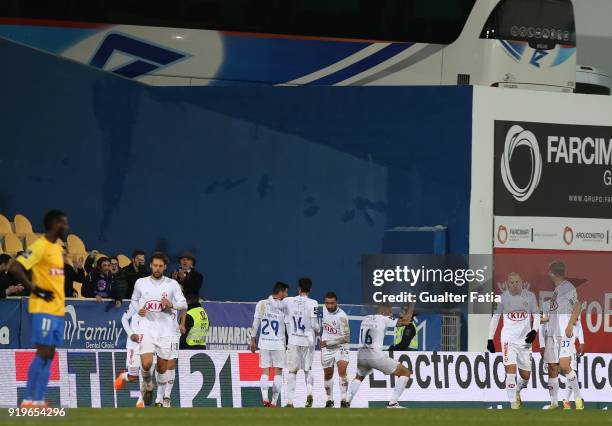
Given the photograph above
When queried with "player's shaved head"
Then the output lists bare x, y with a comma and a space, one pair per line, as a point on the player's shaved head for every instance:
331, 301
56, 225
515, 283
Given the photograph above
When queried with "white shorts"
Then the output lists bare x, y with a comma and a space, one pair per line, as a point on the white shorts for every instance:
383, 364
175, 347
331, 356
558, 347
164, 347
517, 354
132, 362
272, 358
299, 358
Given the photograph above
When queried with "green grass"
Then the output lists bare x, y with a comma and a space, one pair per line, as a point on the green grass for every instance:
304, 417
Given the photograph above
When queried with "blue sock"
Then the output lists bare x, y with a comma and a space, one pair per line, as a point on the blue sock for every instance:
36, 367
40, 387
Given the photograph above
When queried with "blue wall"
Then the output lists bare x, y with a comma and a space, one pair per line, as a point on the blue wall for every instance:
262, 183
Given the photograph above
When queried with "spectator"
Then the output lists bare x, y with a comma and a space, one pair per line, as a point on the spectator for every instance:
7, 288
135, 270
70, 276
91, 260
99, 284
119, 283
187, 276
195, 333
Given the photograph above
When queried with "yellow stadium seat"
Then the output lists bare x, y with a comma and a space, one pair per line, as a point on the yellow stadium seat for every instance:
5, 226
12, 244
123, 260
77, 287
76, 246
23, 226
30, 238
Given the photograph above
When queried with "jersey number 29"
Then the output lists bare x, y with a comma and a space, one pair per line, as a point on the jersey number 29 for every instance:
264, 327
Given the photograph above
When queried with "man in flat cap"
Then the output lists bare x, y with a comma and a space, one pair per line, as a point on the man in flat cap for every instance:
189, 279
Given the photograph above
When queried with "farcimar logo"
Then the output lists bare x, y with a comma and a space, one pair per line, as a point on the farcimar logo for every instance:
568, 235
517, 137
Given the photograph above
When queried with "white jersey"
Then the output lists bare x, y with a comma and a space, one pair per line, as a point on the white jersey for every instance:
301, 320
372, 335
148, 293
270, 315
335, 325
562, 304
516, 311
131, 321
578, 332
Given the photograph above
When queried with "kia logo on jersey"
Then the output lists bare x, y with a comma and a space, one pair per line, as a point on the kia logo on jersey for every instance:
330, 329
56, 272
517, 315
153, 306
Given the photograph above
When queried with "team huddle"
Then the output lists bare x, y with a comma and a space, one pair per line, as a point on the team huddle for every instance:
559, 326
298, 315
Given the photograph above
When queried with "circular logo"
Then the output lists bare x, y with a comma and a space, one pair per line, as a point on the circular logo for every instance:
516, 137
568, 235
502, 234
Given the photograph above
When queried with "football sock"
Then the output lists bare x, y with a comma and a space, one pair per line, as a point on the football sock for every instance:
400, 386
40, 387
170, 376
276, 387
290, 387
553, 389
511, 387
309, 377
343, 387
353, 389
33, 373
572, 383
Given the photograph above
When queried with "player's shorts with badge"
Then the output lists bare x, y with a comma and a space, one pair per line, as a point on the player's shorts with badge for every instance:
299, 357
383, 364
272, 358
163, 347
330, 356
558, 347
47, 330
517, 354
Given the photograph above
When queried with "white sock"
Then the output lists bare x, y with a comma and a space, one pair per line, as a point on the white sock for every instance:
170, 375
511, 387
329, 388
264, 384
309, 378
568, 392
290, 387
553, 389
572, 383
124, 376
277, 387
353, 389
521, 384
343, 387
400, 386
147, 378
161, 384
